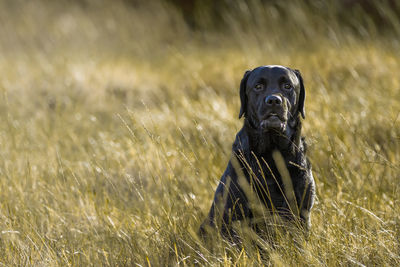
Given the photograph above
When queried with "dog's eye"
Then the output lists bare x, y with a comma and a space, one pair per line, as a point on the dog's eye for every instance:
288, 86
258, 87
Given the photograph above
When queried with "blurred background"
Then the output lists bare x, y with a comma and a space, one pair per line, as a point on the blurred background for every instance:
81, 43
117, 119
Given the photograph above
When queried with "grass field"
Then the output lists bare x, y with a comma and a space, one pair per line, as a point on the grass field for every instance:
117, 121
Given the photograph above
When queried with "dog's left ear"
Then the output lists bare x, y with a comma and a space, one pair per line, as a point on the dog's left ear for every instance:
302, 97
243, 96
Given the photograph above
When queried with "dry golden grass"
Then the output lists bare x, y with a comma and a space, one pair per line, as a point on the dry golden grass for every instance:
117, 123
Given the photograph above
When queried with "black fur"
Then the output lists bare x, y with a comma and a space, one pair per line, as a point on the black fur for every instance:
255, 154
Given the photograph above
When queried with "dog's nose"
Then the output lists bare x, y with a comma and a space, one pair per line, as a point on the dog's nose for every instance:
273, 100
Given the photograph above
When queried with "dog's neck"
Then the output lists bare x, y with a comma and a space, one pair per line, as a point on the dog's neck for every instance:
263, 142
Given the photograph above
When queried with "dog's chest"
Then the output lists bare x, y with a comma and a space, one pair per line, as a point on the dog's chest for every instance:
266, 179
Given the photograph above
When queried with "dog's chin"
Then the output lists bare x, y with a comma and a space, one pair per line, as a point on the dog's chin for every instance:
273, 123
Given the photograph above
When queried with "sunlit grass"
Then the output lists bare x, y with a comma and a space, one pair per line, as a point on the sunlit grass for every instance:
117, 123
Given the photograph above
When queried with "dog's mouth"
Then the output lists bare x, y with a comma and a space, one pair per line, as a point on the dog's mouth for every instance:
273, 121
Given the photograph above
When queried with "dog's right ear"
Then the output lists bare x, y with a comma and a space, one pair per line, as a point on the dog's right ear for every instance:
243, 96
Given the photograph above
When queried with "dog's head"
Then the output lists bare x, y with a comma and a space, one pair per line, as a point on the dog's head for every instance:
272, 97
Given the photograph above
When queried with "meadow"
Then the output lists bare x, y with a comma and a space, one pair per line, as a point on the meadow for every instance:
117, 120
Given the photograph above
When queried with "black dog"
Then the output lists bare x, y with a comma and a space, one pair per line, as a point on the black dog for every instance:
268, 172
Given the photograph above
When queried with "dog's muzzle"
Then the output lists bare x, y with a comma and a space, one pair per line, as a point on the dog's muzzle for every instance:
274, 116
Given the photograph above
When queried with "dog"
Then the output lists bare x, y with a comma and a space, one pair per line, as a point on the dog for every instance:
268, 173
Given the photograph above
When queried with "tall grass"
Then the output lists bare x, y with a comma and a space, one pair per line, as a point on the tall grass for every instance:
118, 118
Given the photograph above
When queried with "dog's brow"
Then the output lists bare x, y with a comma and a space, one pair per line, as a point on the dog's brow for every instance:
284, 78
261, 80
257, 81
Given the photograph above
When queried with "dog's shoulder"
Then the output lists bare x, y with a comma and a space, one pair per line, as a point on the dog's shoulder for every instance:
301, 155
241, 143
